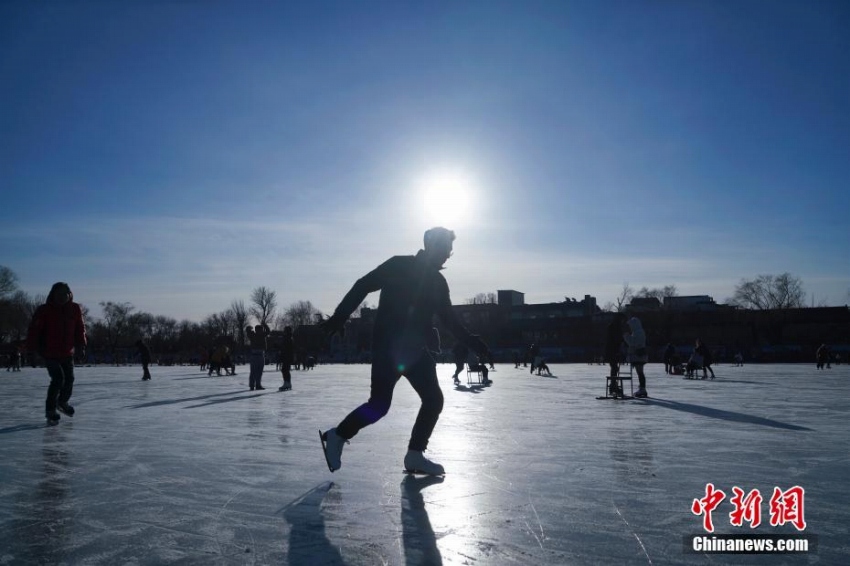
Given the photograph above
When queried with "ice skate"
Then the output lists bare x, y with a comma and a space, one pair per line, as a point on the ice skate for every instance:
52, 418
66, 408
415, 462
332, 445
285, 387
641, 393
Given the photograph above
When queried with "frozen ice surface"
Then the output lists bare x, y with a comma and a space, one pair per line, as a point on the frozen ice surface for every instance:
195, 470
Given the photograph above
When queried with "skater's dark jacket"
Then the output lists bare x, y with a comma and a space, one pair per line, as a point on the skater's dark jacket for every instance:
412, 292
144, 352
56, 329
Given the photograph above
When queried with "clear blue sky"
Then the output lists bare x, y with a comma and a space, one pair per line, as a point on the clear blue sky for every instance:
176, 155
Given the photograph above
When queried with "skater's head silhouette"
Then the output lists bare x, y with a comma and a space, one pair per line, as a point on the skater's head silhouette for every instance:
438, 245
60, 293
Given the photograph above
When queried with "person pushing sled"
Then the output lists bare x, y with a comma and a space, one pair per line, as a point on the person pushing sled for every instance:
412, 291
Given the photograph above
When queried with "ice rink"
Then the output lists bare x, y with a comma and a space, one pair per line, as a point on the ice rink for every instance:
187, 469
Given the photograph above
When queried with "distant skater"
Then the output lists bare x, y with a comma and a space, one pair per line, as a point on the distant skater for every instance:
145, 354
707, 360
669, 358
412, 291
822, 357
533, 355
637, 356
613, 345
57, 332
543, 366
258, 336
15, 358
287, 352
739, 359
479, 365
460, 353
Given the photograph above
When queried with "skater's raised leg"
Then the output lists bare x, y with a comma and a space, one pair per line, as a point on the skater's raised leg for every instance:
384, 378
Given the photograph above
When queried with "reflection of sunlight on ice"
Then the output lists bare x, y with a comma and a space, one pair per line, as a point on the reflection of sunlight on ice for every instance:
453, 506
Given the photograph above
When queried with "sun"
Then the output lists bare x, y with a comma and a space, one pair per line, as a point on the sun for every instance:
446, 198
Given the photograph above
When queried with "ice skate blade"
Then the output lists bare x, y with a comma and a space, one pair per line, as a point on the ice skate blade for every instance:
422, 473
325, 450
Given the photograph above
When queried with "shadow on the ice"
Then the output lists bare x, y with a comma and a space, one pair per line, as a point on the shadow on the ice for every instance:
420, 542
219, 401
469, 388
720, 414
745, 382
183, 400
308, 542
23, 427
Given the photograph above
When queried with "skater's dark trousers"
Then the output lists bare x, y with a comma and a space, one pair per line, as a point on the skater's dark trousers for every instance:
146, 372
61, 386
422, 375
641, 376
258, 361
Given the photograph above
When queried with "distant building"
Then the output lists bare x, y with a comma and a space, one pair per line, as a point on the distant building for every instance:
570, 308
644, 304
510, 298
690, 303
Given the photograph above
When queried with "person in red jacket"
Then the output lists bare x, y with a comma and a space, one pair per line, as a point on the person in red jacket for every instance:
57, 332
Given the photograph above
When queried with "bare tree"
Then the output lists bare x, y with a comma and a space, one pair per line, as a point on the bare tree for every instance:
300, 313
164, 332
240, 317
8, 281
16, 312
783, 291
264, 304
660, 294
483, 299
115, 321
140, 325
219, 324
624, 298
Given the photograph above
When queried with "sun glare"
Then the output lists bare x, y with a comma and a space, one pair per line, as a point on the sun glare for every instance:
446, 198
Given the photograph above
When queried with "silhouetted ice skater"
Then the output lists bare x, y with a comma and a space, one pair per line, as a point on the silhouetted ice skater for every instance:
637, 355
145, 354
57, 332
412, 291
460, 352
258, 336
613, 345
287, 353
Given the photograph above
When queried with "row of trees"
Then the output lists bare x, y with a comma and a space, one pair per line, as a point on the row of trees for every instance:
121, 324
765, 292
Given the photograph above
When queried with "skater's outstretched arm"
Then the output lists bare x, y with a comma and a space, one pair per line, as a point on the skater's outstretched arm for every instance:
369, 283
